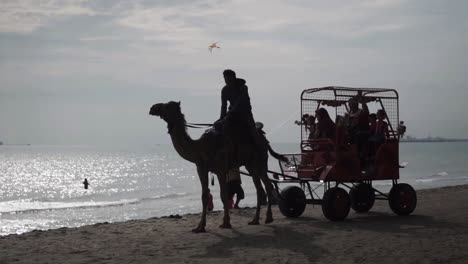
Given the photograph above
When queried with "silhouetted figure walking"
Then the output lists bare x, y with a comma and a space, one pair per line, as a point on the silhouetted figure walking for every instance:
86, 183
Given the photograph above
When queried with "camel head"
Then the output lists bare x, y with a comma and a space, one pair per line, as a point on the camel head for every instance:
169, 112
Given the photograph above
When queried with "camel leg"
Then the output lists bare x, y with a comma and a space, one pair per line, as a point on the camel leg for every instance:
269, 190
258, 187
224, 197
203, 175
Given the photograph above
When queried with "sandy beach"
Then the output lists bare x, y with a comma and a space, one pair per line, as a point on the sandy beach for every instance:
437, 232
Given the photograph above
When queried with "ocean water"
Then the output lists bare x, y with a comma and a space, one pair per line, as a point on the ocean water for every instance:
41, 186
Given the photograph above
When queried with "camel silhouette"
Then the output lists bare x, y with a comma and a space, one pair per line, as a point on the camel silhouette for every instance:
212, 152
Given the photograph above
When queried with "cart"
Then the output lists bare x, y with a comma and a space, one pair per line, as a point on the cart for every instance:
338, 164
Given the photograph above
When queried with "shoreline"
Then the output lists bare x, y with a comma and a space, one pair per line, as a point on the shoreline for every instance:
190, 212
435, 233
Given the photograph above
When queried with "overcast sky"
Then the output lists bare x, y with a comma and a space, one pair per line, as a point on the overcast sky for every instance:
87, 72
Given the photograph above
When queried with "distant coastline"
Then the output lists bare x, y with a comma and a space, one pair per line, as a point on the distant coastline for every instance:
431, 140
3, 144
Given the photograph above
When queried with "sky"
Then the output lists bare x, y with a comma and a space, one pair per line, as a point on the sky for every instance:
84, 72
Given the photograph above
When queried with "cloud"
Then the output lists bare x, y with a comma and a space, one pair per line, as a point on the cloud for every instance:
25, 16
187, 26
100, 38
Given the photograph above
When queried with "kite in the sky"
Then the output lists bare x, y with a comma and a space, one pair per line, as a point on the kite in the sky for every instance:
213, 46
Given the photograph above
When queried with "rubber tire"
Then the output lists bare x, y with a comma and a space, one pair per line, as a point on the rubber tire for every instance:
292, 201
336, 204
402, 199
362, 197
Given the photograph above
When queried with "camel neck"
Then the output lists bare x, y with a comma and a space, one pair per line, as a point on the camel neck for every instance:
183, 143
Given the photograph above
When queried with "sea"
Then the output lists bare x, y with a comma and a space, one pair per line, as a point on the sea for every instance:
41, 187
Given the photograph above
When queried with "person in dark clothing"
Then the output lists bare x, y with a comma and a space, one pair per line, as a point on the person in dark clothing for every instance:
86, 183
236, 93
210, 206
372, 122
239, 113
378, 132
325, 127
308, 121
401, 129
234, 184
381, 128
372, 144
358, 118
358, 129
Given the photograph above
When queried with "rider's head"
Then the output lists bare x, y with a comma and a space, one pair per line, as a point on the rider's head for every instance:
381, 114
229, 76
322, 114
353, 104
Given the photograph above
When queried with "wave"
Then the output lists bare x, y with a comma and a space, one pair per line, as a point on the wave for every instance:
426, 180
25, 206
434, 177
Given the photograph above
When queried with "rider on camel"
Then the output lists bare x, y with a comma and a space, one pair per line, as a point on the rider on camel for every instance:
240, 111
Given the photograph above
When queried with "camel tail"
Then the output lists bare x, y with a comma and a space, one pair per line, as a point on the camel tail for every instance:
277, 155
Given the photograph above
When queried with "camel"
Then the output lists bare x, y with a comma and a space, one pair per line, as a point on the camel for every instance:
213, 153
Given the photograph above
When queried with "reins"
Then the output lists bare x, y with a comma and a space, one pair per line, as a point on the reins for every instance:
198, 125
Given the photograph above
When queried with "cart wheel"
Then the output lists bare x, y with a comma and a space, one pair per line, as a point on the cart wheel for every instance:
362, 197
336, 204
292, 201
402, 199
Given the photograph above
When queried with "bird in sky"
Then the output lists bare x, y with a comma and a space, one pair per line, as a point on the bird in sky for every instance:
213, 46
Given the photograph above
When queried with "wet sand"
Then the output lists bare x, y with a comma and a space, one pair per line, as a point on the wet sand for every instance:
437, 232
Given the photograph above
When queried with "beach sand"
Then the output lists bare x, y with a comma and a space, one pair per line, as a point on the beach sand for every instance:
437, 232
